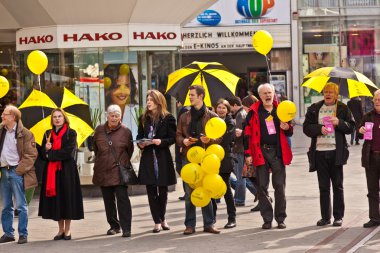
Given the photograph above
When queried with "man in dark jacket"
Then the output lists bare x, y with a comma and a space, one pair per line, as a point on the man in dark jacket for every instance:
268, 150
371, 160
326, 123
190, 132
355, 106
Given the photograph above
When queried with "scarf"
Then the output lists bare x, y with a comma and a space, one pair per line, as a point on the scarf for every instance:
196, 121
56, 165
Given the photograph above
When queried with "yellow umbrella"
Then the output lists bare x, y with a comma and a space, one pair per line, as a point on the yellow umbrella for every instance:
351, 83
217, 80
36, 113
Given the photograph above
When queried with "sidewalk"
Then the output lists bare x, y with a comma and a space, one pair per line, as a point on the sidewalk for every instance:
301, 235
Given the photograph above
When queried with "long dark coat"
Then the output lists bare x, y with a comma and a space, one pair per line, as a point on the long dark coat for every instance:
228, 139
312, 129
366, 150
165, 130
68, 203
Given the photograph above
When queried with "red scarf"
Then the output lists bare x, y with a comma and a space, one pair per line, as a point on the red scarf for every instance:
54, 166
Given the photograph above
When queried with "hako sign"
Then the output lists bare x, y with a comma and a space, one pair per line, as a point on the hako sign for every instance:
97, 36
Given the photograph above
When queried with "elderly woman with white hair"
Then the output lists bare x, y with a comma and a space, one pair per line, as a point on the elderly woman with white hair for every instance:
106, 170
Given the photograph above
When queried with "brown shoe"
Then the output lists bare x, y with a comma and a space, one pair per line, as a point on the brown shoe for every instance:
189, 231
211, 230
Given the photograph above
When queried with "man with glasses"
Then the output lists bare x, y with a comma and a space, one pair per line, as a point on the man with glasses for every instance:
17, 156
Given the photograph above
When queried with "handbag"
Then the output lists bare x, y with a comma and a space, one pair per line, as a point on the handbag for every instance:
127, 173
249, 171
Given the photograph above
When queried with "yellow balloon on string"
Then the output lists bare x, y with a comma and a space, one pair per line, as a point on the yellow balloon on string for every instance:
4, 86
286, 111
4, 72
215, 128
37, 62
262, 41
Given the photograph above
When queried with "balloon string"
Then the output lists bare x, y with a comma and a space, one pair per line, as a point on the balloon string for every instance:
42, 108
270, 75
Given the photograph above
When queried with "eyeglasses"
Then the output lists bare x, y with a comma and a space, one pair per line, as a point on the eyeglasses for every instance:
6, 114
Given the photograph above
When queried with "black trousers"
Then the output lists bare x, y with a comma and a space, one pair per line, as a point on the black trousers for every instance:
228, 198
158, 199
278, 182
373, 175
113, 195
329, 173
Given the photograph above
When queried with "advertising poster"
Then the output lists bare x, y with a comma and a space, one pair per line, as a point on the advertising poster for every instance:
244, 12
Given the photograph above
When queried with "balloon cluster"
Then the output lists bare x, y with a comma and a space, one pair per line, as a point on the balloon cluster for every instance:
202, 173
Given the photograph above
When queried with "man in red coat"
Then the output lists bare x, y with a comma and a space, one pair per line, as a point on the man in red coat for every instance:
267, 148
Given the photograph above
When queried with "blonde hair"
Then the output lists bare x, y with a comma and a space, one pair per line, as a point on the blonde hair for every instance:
15, 111
332, 85
160, 101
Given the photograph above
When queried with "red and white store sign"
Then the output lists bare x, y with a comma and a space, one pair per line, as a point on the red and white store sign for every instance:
115, 35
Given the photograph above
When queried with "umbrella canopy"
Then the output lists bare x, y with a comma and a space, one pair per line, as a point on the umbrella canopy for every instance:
36, 112
351, 83
217, 80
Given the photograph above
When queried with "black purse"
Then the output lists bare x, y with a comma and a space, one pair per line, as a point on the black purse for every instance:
127, 174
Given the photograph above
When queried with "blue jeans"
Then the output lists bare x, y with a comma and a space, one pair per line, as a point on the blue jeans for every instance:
11, 183
207, 211
248, 184
240, 181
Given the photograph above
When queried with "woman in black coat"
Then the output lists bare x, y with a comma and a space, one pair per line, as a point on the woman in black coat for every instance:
61, 195
223, 109
156, 164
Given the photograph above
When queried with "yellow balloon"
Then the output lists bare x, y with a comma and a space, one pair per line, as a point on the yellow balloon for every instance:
124, 69
194, 186
286, 111
222, 191
214, 185
217, 150
200, 197
215, 128
192, 173
262, 41
4, 72
107, 82
195, 154
37, 62
211, 164
4, 86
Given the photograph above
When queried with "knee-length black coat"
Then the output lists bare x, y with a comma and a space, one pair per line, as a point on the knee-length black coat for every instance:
165, 131
228, 140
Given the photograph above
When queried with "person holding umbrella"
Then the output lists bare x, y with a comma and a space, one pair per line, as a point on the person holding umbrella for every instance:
327, 122
61, 194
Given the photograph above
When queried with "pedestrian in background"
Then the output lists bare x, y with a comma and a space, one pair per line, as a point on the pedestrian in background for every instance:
61, 194
191, 132
355, 106
327, 122
370, 125
268, 150
156, 165
107, 173
223, 109
178, 156
17, 156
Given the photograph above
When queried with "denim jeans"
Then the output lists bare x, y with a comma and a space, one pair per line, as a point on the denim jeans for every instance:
190, 216
240, 181
248, 184
11, 183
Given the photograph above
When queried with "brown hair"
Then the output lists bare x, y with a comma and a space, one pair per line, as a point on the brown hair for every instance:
67, 121
249, 100
224, 102
160, 101
199, 89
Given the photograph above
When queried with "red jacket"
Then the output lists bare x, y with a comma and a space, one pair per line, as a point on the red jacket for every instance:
253, 134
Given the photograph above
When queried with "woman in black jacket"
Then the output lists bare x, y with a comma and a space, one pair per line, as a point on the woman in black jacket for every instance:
223, 109
61, 195
156, 165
